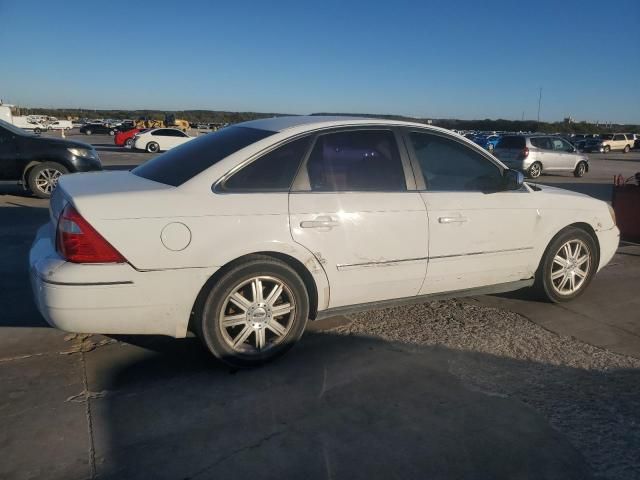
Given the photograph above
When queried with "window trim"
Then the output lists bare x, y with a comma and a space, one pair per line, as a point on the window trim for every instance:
419, 176
302, 184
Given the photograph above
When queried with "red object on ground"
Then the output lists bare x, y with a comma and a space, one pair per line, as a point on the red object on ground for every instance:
626, 203
120, 138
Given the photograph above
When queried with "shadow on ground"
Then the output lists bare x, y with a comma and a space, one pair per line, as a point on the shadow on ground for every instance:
342, 406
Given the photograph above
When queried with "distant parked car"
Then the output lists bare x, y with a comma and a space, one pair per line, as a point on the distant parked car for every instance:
534, 154
616, 141
160, 139
91, 128
488, 142
124, 138
38, 162
60, 125
591, 145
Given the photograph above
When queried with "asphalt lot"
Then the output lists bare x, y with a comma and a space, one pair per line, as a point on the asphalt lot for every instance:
489, 387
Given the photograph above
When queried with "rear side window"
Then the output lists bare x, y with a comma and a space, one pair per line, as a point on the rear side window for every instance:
182, 163
541, 142
272, 172
361, 160
448, 165
619, 137
513, 142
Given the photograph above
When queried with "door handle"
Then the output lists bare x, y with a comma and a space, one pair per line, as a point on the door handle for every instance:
452, 219
320, 222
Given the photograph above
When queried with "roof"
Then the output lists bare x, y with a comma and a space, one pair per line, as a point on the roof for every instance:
278, 124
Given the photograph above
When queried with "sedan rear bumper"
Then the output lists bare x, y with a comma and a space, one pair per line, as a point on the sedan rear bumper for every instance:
111, 298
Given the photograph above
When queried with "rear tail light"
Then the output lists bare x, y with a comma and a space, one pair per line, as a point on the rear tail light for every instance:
79, 242
524, 153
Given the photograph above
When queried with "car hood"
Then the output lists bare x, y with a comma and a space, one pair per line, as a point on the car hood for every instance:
61, 143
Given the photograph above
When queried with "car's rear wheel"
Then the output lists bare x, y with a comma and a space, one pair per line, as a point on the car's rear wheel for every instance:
37, 131
568, 265
626, 149
254, 312
128, 142
43, 178
153, 147
535, 170
580, 170
112, 132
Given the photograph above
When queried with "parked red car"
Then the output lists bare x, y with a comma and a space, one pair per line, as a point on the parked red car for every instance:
125, 138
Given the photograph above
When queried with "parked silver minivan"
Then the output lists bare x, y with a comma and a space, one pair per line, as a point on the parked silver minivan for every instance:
537, 153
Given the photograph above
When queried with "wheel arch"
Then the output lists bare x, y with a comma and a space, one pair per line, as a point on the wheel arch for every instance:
300, 268
32, 163
584, 226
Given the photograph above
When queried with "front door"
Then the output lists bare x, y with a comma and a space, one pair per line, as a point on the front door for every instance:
352, 209
479, 234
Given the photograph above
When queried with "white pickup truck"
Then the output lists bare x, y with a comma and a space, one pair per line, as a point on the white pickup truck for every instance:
24, 122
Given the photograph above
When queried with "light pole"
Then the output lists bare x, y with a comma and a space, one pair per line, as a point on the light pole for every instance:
539, 103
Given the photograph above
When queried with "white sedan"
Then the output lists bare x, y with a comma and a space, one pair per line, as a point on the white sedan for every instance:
243, 235
160, 139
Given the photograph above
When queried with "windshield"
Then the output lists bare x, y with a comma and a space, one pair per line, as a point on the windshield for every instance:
188, 160
14, 129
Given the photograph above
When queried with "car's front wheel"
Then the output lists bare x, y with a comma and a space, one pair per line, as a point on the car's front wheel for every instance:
254, 312
88, 131
606, 149
153, 147
43, 178
129, 142
568, 265
580, 169
535, 170
112, 132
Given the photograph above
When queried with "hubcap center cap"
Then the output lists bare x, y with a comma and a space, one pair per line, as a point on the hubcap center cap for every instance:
258, 316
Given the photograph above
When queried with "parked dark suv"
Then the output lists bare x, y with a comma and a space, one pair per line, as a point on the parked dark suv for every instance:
37, 162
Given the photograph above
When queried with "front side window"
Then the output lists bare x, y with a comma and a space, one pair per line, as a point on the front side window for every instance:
272, 172
360, 160
448, 165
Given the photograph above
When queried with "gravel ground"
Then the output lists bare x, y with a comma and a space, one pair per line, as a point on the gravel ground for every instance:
589, 394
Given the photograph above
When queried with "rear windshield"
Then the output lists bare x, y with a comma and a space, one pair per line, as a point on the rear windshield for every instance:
512, 142
188, 160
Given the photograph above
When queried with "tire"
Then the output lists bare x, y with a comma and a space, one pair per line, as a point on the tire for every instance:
535, 170
626, 149
555, 290
37, 131
606, 149
153, 147
580, 170
88, 131
128, 142
43, 178
112, 132
262, 334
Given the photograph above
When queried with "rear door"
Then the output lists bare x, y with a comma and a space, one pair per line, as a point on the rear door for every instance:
355, 208
479, 234
562, 154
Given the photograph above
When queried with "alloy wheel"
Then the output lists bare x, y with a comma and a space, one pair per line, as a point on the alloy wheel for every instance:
257, 315
47, 180
570, 267
534, 170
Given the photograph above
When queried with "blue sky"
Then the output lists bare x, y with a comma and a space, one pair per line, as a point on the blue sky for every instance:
440, 59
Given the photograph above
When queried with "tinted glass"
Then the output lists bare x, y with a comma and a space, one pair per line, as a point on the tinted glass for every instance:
271, 172
514, 142
557, 144
541, 142
363, 160
619, 137
161, 132
182, 163
607, 136
451, 166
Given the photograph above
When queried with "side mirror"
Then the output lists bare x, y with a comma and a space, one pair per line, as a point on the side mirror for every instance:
513, 179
